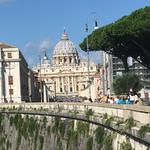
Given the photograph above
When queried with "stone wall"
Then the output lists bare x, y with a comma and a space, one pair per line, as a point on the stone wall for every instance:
24, 132
122, 123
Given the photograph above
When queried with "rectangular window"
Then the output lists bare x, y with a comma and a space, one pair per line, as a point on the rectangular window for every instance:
11, 91
83, 85
70, 80
70, 89
77, 87
10, 80
70, 60
91, 68
65, 60
61, 89
9, 55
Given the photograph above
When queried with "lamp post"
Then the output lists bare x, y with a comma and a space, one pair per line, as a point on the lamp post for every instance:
88, 57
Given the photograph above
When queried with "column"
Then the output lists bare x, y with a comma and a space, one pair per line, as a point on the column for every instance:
44, 93
73, 84
63, 84
68, 85
58, 84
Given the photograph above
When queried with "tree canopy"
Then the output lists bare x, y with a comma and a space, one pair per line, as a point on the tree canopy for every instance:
122, 84
128, 36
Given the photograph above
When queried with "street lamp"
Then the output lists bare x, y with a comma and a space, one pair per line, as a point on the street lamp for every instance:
88, 57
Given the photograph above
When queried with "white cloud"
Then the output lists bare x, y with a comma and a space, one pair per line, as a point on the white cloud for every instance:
32, 50
4, 1
30, 46
38, 46
44, 45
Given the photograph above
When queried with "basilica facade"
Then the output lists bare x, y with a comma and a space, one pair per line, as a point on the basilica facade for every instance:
66, 74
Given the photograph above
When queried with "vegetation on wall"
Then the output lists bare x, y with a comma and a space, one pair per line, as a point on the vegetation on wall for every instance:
108, 121
129, 123
99, 135
105, 116
126, 145
83, 127
88, 113
72, 134
143, 130
41, 139
89, 143
108, 141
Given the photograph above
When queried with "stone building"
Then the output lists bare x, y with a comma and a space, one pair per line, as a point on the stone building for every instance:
65, 74
113, 67
34, 86
13, 75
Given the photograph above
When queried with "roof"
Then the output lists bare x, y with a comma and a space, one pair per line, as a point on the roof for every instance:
64, 46
4, 45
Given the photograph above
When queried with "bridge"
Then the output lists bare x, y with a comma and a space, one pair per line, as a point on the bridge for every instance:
113, 117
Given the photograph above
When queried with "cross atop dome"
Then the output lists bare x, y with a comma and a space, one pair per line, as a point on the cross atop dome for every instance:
64, 35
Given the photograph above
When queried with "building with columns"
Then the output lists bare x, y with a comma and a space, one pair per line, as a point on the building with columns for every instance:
65, 74
13, 75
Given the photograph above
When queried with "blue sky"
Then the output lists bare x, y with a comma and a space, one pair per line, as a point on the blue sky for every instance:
33, 25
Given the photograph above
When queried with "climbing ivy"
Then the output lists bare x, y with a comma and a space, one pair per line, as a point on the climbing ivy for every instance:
2, 141
56, 125
83, 127
99, 135
143, 130
88, 113
1, 119
62, 128
126, 145
48, 129
89, 143
129, 123
44, 121
105, 116
108, 121
41, 138
108, 142
36, 137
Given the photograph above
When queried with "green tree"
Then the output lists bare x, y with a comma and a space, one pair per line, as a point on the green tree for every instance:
122, 84
128, 36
